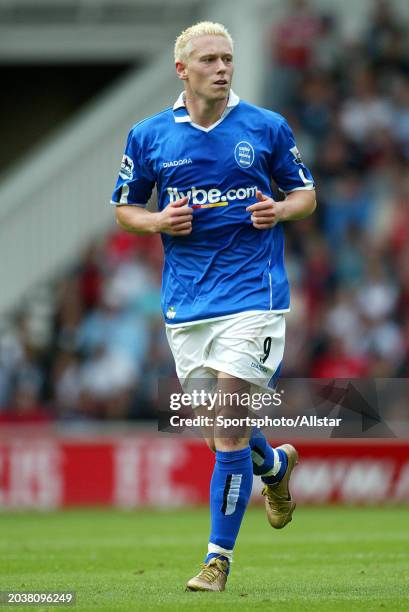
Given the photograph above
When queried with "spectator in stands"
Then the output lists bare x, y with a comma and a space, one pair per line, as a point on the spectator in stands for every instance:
400, 113
119, 330
66, 383
385, 40
91, 276
108, 379
26, 407
366, 109
316, 100
348, 203
335, 361
292, 44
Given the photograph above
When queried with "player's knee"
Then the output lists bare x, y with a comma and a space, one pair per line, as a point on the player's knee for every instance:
230, 443
210, 443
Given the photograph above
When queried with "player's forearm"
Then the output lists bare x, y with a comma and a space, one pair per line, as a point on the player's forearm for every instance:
298, 205
137, 220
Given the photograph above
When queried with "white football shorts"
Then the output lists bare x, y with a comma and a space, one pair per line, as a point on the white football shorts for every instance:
248, 345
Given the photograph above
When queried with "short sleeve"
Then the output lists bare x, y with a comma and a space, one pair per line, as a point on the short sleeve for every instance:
135, 181
287, 167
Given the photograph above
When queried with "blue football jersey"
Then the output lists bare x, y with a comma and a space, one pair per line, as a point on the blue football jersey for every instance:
225, 266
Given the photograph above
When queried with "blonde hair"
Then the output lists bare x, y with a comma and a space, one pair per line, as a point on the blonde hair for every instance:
202, 28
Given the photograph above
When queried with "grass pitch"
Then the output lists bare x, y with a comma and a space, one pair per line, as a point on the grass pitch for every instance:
327, 559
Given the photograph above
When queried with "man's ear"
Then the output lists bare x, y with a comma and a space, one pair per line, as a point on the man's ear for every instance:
181, 70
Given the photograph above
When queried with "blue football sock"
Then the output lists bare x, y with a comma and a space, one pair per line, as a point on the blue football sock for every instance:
230, 490
269, 463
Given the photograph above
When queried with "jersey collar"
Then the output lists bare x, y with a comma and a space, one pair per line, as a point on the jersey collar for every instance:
181, 115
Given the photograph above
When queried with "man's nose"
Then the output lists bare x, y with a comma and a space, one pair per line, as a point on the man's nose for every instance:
221, 65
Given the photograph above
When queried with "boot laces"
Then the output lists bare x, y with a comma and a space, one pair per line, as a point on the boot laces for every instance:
273, 498
211, 572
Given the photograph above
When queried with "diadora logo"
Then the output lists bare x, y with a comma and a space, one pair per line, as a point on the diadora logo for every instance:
244, 154
177, 162
211, 198
259, 367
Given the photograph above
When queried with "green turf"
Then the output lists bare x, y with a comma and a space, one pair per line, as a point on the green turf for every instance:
326, 559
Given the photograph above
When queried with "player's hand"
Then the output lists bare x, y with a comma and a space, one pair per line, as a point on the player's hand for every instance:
176, 218
265, 213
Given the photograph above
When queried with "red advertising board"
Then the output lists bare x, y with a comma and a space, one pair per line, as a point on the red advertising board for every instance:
46, 471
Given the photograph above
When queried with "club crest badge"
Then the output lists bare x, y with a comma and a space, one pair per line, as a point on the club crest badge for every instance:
244, 154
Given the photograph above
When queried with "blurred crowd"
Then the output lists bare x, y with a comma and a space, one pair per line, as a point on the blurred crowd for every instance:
347, 99
102, 346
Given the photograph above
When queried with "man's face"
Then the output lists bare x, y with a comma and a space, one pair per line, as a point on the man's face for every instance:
208, 70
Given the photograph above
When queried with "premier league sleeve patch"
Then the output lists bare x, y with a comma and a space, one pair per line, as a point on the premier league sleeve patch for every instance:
288, 169
126, 170
135, 181
297, 155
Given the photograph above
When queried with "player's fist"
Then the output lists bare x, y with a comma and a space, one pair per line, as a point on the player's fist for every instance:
265, 213
176, 218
